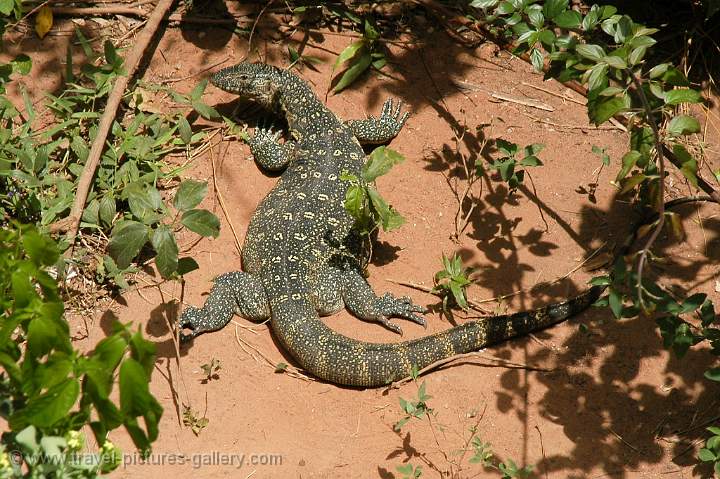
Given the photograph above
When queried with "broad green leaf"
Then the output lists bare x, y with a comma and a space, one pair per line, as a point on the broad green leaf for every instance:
389, 218
45, 334
602, 109
126, 240
189, 194
41, 249
186, 265
628, 161
568, 19
199, 89
536, 59
706, 455
504, 8
107, 210
202, 222
615, 62
6, 7
46, 410
630, 183
683, 125
553, 8
483, 3
166, 248
637, 55
380, 161
682, 95
22, 64
590, 51
355, 202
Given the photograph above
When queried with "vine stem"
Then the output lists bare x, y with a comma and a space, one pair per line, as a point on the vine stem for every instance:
642, 259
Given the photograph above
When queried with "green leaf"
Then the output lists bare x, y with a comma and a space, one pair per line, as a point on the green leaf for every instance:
380, 161
205, 111
630, 183
198, 91
107, 210
389, 218
22, 64
355, 202
45, 334
348, 53
186, 265
189, 194
536, 59
353, 72
126, 240
713, 374
166, 248
590, 51
706, 455
568, 19
49, 408
483, 3
504, 8
683, 125
553, 8
628, 162
616, 303
41, 249
136, 400
202, 222
604, 108
6, 7
637, 55
184, 129
682, 95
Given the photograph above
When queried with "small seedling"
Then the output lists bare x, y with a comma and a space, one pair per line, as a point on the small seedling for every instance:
414, 409
409, 471
211, 369
191, 419
512, 157
451, 283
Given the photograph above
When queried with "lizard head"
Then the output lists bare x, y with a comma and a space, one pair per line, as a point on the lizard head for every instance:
257, 81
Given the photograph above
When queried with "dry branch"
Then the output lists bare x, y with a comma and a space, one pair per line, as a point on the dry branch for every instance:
131, 64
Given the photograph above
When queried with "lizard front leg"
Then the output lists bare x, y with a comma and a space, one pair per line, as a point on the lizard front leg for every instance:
376, 131
232, 293
269, 152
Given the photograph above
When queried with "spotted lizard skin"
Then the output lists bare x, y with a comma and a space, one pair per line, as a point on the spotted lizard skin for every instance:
302, 257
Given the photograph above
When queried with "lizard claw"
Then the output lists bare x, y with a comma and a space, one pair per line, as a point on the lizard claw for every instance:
390, 306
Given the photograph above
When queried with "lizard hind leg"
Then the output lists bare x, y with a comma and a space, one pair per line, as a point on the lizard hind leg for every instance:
366, 305
232, 293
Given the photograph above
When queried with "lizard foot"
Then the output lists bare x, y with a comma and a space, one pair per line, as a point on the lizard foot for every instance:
389, 306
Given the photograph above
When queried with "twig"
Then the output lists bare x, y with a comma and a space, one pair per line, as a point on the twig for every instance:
529, 102
222, 203
121, 83
573, 127
290, 370
559, 95
252, 30
191, 75
474, 354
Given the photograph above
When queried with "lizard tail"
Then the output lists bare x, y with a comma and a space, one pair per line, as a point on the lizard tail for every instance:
339, 359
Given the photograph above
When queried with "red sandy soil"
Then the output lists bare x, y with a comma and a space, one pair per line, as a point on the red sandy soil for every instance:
609, 402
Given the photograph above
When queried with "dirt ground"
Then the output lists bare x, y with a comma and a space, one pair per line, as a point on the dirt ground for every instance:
606, 402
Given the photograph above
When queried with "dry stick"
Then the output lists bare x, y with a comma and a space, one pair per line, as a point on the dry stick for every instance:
252, 30
573, 127
121, 83
290, 370
474, 354
558, 95
529, 102
222, 202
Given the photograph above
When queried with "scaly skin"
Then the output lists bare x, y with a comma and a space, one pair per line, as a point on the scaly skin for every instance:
302, 256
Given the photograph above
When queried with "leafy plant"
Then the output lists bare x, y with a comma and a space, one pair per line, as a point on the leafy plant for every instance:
512, 157
49, 389
711, 452
191, 420
42, 168
362, 200
360, 56
482, 452
451, 283
211, 369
